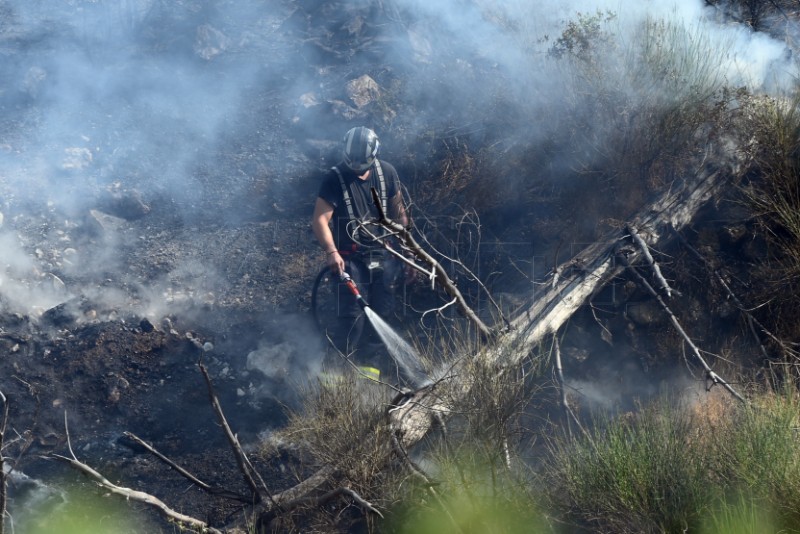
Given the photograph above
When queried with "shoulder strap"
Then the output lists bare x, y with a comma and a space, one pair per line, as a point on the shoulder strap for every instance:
382, 182
348, 202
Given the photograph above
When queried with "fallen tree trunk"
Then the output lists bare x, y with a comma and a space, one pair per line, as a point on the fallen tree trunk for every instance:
572, 285
595, 266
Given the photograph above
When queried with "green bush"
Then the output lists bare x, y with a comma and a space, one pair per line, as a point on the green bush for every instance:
759, 454
668, 469
637, 473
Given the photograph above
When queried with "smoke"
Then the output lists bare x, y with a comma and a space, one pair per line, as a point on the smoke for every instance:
190, 103
513, 38
288, 362
149, 94
98, 101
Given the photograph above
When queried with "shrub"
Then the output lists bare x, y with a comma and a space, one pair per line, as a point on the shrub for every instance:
638, 473
668, 469
759, 455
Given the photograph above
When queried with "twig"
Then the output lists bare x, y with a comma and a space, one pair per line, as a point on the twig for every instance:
473, 277
138, 496
440, 274
323, 499
562, 384
130, 494
358, 369
194, 480
712, 377
438, 310
606, 335
246, 468
752, 322
420, 474
649, 259
364, 504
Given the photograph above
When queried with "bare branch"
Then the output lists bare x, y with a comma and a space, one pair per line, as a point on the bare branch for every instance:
333, 494
134, 495
138, 496
438, 310
711, 376
752, 321
564, 400
419, 473
645, 250
441, 276
358, 370
248, 472
222, 492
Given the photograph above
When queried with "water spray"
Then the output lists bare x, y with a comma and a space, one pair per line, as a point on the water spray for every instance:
402, 353
353, 289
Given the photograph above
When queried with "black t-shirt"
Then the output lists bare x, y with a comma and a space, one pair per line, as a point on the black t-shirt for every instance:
361, 197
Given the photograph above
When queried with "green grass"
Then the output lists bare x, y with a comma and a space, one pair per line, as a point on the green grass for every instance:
759, 454
639, 473
739, 515
668, 469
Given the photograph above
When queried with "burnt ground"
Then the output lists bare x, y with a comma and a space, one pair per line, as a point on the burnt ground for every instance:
119, 279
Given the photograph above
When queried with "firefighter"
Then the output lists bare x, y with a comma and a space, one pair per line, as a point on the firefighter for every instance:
345, 200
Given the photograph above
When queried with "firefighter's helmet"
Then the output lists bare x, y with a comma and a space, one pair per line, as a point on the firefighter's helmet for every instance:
360, 148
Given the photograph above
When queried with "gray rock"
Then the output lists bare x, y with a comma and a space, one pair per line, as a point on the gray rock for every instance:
210, 42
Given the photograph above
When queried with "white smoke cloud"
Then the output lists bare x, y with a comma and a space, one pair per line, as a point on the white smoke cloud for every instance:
146, 93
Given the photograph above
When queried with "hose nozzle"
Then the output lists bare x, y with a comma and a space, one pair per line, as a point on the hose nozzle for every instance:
345, 278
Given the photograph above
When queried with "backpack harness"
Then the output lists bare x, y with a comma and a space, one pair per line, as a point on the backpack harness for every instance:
348, 201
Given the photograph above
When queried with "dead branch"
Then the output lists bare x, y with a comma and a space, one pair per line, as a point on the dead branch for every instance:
320, 500
562, 385
420, 474
130, 494
598, 267
645, 250
358, 370
551, 309
246, 468
295, 494
138, 496
472, 276
439, 273
221, 492
712, 377
752, 321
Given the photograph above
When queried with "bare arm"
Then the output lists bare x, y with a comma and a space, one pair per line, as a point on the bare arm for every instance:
320, 224
397, 210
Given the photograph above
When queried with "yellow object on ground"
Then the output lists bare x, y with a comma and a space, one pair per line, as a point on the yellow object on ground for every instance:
332, 379
370, 372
